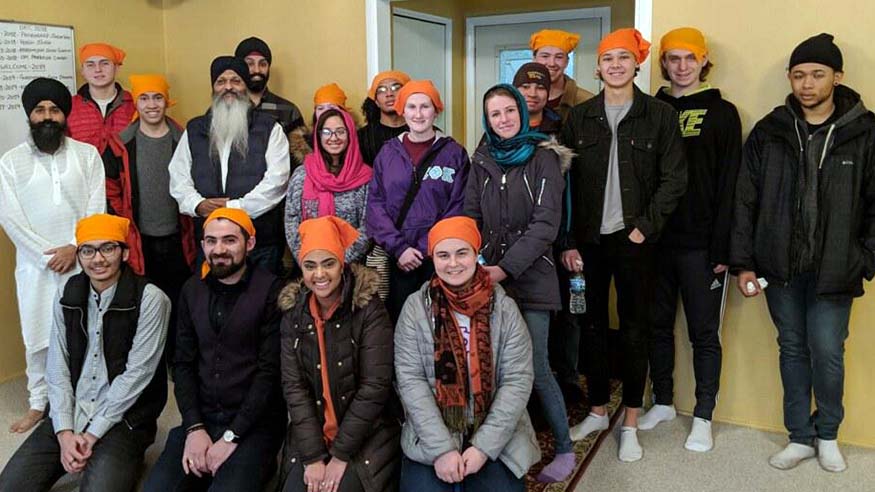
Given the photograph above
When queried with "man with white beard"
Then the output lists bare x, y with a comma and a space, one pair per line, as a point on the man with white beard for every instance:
237, 158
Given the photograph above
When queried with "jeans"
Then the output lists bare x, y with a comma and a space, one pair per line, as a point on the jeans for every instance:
249, 468
632, 268
688, 271
493, 477
545, 386
114, 465
811, 338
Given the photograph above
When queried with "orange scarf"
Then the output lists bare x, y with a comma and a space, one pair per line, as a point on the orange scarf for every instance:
329, 430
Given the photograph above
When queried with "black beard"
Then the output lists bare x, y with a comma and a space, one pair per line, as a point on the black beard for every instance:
258, 85
225, 271
48, 135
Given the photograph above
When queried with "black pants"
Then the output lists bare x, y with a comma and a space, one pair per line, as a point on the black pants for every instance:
402, 284
632, 268
114, 465
565, 341
167, 269
689, 272
348, 483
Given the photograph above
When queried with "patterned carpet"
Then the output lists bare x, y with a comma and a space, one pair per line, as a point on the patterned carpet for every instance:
584, 449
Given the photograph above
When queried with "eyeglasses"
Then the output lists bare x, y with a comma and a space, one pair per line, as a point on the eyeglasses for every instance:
328, 133
107, 250
394, 88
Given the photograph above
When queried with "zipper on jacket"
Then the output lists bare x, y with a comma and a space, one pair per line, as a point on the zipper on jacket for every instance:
548, 260
483, 191
825, 146
503, 181
529, 188
541, 193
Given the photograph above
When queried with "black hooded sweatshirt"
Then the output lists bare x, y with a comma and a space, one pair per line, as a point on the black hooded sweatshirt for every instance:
711, 131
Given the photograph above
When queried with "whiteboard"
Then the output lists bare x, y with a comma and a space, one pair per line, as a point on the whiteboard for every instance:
28, 51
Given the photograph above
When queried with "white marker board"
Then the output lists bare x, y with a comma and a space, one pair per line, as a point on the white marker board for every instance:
28, 51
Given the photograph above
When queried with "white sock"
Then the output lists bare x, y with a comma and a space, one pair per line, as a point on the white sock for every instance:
700, 436
656, 414
791, 456
593, 422
630, 449
830, 457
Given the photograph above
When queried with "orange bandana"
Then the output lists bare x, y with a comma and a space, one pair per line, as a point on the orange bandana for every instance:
328, 233
388, 74
418, 87
108, 51
684, 38
563, 40
330, 94
102, 227
459, 227
630, 40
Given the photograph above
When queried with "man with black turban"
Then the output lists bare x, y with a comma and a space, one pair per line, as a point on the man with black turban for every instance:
256, 53
47, 184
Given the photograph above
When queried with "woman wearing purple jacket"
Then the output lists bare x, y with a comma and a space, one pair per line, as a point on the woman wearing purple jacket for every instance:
437, 189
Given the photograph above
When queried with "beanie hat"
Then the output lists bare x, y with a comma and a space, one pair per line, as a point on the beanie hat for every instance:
532, 73
253, 44
222, 63
45, 89
818, 49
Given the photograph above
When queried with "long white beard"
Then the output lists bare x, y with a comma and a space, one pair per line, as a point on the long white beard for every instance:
230, 123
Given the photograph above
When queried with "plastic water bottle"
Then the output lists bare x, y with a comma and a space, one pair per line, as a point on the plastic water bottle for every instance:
577, 294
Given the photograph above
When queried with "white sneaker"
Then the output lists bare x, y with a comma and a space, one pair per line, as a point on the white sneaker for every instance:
700, 439
830, 457
593, 422
656, 414
791, 456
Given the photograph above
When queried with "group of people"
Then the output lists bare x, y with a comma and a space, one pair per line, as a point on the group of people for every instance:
417, 373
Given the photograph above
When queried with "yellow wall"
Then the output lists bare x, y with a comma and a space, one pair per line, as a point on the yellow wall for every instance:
750, 59
313, 43
137, 28
622, 15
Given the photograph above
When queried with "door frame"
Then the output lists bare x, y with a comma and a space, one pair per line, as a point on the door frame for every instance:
472, 129
447, 94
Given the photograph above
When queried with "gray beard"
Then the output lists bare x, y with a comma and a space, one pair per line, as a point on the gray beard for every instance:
230, 123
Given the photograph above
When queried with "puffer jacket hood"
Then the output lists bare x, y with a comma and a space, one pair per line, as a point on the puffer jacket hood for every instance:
365, 285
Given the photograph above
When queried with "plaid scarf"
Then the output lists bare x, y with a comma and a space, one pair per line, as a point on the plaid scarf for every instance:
455, 376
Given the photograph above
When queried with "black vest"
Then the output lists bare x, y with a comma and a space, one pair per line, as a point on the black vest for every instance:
119, 327
244, 172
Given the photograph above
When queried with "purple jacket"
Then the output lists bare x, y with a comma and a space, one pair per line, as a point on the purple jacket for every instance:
441, 194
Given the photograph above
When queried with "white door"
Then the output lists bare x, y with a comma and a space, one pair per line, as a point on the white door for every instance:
421, 47
499, 49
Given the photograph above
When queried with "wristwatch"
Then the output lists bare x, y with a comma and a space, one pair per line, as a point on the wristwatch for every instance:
230, 437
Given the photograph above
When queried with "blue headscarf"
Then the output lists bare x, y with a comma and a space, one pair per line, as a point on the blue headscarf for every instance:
519, 148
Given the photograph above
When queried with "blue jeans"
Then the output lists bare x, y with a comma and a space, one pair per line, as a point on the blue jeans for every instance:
494, 476
811, 337
545, 386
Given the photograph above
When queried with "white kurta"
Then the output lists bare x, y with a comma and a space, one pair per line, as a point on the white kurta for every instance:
42, 196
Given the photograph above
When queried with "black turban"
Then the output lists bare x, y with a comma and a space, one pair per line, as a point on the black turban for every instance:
249, 45
222, 63
44, 89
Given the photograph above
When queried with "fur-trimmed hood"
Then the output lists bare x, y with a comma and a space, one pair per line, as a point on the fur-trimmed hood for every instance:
299, 143
565, 154
365, 284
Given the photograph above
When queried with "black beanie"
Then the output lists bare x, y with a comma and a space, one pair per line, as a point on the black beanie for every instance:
222, 63
532, 72
818, 49
249, 45
44, 89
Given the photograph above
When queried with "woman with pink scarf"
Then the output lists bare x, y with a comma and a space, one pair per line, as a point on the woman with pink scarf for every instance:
332, 181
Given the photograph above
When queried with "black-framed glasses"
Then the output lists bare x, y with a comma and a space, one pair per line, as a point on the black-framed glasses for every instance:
387, 88
328, 133
107, 250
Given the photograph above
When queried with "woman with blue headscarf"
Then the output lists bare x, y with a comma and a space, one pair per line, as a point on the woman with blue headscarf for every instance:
514, 192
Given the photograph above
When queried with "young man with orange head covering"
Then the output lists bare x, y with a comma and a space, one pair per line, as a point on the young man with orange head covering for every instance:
629, 173
384, 122
694, 248
551, 47
101, 107
106, 377
227, 369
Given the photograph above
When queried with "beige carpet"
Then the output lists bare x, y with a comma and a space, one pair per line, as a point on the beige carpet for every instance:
738, 463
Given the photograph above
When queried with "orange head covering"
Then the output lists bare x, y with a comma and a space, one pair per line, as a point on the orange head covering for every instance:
328, 233
103, 227
459, 227
116, 55
566, 41
418, 87
235, 215
684, 38
140, 84
330, 94
388, 74
630, 40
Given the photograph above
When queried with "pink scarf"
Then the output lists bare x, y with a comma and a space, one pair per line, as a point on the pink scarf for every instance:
320, 185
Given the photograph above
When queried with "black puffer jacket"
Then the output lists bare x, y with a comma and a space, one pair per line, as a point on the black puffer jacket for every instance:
653, 169
518, 211
359, 350
807, 202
